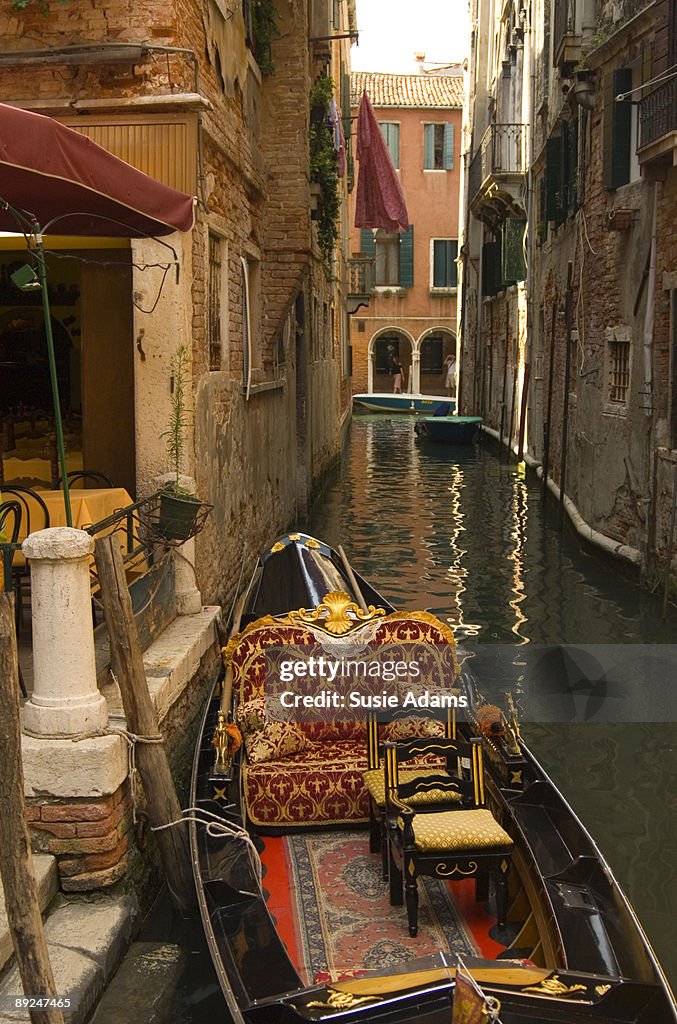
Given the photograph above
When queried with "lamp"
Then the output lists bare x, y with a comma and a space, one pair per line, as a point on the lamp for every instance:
584, 88
26, 279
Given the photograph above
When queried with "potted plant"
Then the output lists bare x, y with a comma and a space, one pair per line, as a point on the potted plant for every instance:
179, 508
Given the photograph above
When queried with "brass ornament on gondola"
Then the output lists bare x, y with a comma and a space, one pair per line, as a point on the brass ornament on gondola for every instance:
336, 614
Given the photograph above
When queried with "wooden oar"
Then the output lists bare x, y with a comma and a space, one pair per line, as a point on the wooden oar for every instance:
519, 977
353, 581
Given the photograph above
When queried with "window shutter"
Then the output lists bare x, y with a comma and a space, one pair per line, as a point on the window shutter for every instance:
407, 258
513, 268
367, 243
448, 147
439, 263
553, 180
617, 129
391, 135
428, 147
453, 266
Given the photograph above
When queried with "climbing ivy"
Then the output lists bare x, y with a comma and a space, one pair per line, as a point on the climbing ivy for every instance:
264, 30
42, 5
324, 166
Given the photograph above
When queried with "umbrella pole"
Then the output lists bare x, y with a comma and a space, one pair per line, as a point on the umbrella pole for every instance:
42, 277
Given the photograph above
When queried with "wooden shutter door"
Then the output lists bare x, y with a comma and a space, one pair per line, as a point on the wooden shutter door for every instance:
407, 258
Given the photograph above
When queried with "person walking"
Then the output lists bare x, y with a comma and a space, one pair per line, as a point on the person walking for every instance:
396, 371
450, 382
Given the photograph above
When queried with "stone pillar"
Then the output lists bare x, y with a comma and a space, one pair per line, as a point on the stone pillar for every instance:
65, 700
415, 372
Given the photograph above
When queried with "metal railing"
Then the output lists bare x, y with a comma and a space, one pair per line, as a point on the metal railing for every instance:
501, 151
658, 113
361, 274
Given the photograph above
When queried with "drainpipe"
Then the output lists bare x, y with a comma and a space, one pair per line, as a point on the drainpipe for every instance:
649, 315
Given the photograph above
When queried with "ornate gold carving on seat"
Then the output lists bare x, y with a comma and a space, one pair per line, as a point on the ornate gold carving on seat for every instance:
337, 614
446, 871
554, 987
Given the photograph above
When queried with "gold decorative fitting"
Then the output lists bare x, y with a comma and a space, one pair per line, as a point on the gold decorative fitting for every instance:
337, 614
516, 777
294, 536
445, 871
554, 987
602, 990
219, 793
312, 543
277, 546
342, 1001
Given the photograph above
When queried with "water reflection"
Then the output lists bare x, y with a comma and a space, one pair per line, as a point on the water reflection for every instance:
465, 536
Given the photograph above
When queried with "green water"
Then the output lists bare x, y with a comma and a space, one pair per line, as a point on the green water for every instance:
465, 536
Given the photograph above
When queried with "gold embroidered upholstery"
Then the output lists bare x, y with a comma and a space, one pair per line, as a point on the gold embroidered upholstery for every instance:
375, 783
452, 831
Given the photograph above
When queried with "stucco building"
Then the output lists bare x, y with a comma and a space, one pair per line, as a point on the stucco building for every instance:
412, 306
213, 99
569, 258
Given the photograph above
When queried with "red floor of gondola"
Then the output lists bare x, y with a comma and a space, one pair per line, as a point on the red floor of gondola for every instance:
281, 904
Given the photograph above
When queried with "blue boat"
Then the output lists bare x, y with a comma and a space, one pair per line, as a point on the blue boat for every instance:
448, 429
387, 402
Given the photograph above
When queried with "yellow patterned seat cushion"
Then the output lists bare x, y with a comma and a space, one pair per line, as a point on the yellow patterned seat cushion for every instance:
451, 831
375, 783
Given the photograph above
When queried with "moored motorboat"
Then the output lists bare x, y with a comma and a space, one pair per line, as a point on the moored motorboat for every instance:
404, 403
583, 955
448, 429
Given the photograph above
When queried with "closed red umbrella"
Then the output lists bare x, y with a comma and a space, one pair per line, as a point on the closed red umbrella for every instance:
380, 201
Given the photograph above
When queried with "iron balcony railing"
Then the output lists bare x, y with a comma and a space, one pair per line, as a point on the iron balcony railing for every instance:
658, 113
360, 274
501, 151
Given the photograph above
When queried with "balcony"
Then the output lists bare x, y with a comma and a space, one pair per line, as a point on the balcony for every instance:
657, 148
567, 40
496, 175
360, 280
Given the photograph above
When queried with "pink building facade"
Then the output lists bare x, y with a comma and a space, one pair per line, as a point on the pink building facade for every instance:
411, 312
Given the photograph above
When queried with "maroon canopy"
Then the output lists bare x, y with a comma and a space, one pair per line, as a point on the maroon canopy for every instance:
74, 187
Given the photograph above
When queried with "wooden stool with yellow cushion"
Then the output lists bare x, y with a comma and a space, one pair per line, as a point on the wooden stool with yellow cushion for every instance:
460, 843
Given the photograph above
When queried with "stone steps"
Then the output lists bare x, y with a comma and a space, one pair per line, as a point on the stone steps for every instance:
46, 877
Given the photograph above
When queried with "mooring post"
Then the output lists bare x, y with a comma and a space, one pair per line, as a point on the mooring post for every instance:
151, 756
16, 858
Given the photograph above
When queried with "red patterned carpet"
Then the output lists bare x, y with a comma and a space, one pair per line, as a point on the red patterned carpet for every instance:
332, 909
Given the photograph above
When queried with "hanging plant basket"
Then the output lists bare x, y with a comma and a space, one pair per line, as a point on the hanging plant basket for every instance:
174, 518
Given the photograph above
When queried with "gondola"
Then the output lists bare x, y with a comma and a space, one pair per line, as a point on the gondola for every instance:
573, 948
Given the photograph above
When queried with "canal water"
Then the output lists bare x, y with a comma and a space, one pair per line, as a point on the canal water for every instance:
465, 535
462, 534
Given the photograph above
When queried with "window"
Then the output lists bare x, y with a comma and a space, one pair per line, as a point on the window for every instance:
620, 164
387, 258
438, 147
444, 270
214, 320
432, 354
393, 255
391, 134
619, 370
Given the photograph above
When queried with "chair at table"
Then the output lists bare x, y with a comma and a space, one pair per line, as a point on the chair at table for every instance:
10, 511
464, 842
34, 516
403, 726
88, 477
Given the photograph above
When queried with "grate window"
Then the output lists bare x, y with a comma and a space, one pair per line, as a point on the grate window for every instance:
214, 325
619, 380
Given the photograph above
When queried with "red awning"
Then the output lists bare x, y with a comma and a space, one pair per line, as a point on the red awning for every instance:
75, 187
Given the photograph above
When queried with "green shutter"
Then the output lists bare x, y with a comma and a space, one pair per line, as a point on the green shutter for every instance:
513, 266
439, 263
407, 258
448, 147
553, 180
617, 129
367, 243
428, 147
453, 266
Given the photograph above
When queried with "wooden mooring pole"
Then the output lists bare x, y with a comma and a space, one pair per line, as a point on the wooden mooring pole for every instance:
16, 858
151, 757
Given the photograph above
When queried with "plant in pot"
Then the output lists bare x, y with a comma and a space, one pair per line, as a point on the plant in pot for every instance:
179, 508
